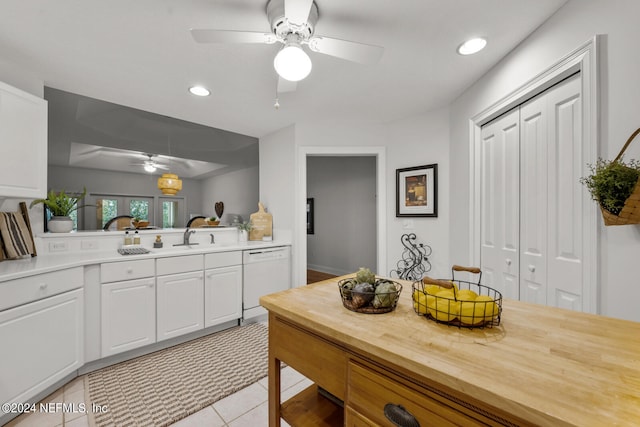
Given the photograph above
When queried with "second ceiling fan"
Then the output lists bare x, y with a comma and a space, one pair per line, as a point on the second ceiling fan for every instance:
292, 24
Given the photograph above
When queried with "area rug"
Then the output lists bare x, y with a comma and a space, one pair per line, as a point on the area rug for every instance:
163, 387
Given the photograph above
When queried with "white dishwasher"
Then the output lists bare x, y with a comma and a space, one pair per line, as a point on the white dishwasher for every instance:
265, 271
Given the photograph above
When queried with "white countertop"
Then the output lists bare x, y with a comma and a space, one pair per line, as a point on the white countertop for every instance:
15, 269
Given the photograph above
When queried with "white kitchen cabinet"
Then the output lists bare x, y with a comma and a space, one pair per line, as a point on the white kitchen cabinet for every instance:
128, 316
180, 308
222, 295
23, 132
42, 343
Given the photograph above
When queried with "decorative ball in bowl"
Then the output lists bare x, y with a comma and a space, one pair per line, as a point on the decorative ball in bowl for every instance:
369, 294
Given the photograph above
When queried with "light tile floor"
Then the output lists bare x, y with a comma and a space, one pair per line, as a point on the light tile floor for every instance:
245, 408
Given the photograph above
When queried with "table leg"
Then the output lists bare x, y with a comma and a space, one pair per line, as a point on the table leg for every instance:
274, 389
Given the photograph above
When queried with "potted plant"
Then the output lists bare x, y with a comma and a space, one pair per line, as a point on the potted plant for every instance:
244, 228
61, 205
611, 183
213, 221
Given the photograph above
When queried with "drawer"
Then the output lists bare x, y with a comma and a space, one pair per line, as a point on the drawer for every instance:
179, 264
222, 259
127, 270
369, 391
292, 345
27, 289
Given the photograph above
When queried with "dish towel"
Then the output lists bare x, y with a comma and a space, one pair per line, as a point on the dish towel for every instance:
15, 236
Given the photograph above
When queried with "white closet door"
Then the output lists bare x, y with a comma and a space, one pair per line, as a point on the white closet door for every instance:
566, 260
533, 201
500, 204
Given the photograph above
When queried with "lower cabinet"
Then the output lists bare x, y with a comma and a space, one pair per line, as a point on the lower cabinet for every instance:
222, 295
42, 342
128, 315
179, 303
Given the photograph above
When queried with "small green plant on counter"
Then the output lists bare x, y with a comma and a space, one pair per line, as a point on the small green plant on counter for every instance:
213, 218
612, 182
245, 226
61, 204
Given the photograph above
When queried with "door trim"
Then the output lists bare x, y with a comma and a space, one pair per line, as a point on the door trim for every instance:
300, 233
584, 59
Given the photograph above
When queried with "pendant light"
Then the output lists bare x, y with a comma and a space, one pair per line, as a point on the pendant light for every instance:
169, 183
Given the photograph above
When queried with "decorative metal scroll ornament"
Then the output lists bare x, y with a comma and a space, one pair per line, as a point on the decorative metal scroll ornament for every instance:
414, 263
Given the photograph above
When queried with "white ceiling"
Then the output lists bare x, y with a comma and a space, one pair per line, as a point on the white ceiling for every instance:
140, 54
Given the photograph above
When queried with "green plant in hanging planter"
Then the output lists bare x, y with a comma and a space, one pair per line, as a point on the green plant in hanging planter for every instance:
61, 204
612, 182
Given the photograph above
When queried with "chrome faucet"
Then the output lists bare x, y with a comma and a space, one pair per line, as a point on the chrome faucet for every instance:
185, 238
187, 234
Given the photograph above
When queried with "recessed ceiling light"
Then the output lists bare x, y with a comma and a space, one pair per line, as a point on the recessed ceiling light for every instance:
472, 46
199, 90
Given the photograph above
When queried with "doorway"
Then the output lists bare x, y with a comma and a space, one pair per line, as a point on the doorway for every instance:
300, 233
341, 221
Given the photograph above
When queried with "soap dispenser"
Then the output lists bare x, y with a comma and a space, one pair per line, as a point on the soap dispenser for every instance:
136, 238
127, 238
158, 242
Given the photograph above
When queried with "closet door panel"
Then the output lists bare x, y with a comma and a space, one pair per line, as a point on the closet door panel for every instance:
565, 230
500, 204
533, 201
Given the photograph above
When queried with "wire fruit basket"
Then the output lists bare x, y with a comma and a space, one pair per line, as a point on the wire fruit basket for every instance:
458, 302
373, 300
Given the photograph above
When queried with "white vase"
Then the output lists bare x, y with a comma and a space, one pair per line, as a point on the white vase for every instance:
244, 236
60, 224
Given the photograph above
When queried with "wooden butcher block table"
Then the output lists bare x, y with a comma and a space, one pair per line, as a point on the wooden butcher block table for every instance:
540, 366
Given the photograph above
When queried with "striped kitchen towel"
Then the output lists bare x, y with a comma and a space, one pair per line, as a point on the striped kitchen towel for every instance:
15, 236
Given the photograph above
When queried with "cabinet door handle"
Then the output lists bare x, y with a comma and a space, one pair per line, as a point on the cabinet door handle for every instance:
508, 261
43, 286
532, 268
130, 270
400, 416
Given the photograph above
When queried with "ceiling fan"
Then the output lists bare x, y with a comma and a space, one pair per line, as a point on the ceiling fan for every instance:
292, 24
150, 165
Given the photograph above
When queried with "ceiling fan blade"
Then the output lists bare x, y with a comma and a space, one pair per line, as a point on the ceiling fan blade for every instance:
352, 51
285, 85
231, 36
297, 11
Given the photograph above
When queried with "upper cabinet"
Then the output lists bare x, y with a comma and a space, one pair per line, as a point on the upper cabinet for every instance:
23, 144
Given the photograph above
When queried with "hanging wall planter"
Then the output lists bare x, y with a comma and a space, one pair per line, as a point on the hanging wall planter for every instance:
615, 185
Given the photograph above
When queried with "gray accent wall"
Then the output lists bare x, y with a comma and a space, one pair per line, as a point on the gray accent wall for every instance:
344, 193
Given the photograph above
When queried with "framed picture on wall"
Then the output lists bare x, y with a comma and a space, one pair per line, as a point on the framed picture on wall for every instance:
417, 191
310, 216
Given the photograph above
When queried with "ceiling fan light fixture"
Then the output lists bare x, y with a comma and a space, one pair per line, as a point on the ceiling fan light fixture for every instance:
292, 63
199, 91
472, 46
149, 167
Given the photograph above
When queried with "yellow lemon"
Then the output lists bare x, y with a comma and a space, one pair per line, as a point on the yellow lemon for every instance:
466, 295
488, 306
420, 302
432, 289
444, 307
472, 313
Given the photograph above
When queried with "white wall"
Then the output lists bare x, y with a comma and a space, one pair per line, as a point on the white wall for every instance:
344, 192
278, 177
572, 25
414, 141
237, 190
